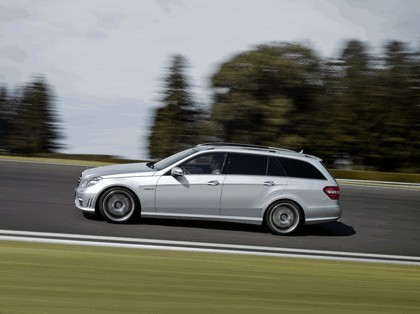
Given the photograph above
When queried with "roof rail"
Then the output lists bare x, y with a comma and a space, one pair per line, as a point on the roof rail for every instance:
232, 144
244, 145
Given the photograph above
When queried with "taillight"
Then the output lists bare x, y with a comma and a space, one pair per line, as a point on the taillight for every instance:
333, 192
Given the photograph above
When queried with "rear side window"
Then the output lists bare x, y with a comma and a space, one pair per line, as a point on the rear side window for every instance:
300, 169
247, 164
274, 168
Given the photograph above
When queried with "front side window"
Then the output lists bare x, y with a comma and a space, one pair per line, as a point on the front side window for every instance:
205, 164
176, 157
247, 164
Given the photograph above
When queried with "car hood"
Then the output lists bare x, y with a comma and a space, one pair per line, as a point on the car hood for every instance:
117, 170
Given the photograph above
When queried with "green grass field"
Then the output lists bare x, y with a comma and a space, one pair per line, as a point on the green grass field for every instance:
41, 278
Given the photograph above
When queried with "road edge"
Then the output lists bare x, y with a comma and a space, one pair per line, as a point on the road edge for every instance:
170, 245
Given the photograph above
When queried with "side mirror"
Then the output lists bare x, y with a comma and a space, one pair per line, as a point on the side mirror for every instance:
176, 172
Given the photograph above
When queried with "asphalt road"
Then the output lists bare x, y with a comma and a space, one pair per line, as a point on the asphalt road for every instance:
39, 197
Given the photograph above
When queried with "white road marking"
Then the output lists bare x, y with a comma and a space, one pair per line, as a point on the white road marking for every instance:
151, 244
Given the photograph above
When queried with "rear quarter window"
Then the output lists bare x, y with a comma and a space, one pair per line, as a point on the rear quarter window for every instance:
300, 169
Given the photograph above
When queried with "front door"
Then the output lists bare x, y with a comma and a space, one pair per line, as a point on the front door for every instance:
195, 193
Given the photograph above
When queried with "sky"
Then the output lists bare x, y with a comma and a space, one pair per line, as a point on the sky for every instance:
106, 59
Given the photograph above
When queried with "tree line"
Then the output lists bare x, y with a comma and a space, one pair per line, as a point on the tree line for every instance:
29, 121
362, 106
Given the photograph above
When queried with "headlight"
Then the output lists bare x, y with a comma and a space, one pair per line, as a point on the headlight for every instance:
91, 182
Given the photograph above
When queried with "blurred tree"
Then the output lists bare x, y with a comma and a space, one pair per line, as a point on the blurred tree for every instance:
415, 110
325, 137
359, 104
35, 126
177, 123
398, 108
5, 118
267, 96
350, 96
374, 101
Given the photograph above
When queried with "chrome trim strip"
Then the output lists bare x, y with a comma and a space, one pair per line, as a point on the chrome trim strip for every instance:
250, 220
321, 220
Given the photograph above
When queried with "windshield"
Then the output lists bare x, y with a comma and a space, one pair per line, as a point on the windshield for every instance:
176, 157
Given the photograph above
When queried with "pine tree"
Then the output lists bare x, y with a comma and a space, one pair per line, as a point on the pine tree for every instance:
177, 121
36, 126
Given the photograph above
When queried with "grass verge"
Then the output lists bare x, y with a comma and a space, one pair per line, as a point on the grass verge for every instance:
376, 176
64, 161
41, 278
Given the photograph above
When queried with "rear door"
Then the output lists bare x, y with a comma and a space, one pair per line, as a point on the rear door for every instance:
251, 181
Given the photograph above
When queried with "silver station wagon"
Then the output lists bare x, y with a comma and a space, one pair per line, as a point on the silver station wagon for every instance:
216, 181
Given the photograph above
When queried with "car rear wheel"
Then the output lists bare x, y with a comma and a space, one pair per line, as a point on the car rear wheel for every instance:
283, 217
118, 205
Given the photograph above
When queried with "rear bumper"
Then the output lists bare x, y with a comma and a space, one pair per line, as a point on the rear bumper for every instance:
322, 214
321, 220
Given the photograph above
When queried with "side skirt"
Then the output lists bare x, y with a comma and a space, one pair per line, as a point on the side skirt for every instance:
246, 220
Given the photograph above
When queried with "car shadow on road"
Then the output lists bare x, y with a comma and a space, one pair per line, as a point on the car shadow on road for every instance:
330, 229
215, 225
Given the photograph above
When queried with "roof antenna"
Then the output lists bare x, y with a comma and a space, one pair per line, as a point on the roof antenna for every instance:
301, 152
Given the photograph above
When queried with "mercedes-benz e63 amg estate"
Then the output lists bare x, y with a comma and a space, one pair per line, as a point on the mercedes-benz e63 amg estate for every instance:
216, 181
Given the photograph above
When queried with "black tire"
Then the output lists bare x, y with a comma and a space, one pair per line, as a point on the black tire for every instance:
283, 217
118, 205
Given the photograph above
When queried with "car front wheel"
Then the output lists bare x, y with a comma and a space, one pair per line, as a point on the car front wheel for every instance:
283, 217
118, 205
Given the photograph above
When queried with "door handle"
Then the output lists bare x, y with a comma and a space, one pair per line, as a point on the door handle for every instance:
269, 183
213, 183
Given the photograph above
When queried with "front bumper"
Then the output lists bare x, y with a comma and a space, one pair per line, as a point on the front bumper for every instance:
85, 201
